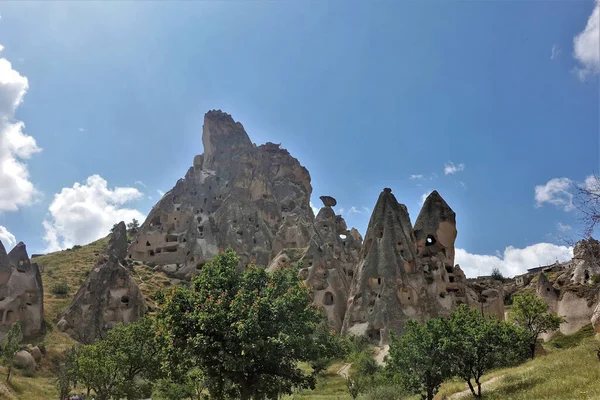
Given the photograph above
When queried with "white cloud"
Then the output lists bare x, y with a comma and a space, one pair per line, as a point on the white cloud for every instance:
140, 183
586, 46
513, 261
450, 168
86, 212
563, 227
160, 193
592, 184
15, 145
556, 192
315, 209
81, 129
555, 52
8, 239
418, 176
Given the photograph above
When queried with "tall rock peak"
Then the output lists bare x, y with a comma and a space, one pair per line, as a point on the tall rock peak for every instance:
221, 136
254, 199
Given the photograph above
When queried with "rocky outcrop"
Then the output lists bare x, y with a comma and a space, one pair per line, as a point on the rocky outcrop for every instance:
254, 199
109, 295
23, 359
329, 263
393, 280
21, 293
405, 273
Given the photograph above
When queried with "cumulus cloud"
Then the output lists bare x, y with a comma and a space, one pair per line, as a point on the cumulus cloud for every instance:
450, 168
8, 239
555, 192
586, 46
513, 261
86, 212
15, 145
417, 176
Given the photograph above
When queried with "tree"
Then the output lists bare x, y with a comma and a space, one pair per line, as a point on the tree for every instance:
419, 357
587, 201
244, 330
497, 275
65, 373
478, 345
113, 366
532, 314
133, 226
10, 347
354, 385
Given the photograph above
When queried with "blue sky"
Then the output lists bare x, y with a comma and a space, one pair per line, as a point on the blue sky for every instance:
365, 94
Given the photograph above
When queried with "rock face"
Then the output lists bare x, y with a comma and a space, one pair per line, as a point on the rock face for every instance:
109, 295
254, 199
329, 263
586, 261
25, 360
21, 293
405, 273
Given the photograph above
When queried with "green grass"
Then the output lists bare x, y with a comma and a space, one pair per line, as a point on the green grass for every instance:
560, 341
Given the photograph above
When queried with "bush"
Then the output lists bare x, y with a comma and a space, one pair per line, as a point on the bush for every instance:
76, 247
497, 275
355, 347
596, 278
60, 289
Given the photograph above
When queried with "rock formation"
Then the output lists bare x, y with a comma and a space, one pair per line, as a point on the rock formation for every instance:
329, 262
21, 293
405, 273
254, 199
109, 295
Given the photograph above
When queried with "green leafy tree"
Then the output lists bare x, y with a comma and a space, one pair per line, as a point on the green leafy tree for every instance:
119, 365
419, 357
10, 347
245, 330
497, 275
532, 314
478, 344
133, 226
355, 385
191, 387
65, 373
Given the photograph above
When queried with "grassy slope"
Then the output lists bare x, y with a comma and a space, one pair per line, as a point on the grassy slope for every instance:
71, 268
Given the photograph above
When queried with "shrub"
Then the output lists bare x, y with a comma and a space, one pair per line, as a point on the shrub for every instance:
60, 289
497, 275
596, 278
76, 247
386, 391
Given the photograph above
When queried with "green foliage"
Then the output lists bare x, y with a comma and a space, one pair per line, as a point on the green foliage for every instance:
419, 357
532, 314
497, 275
385, 390
366, 366
60, 289
133, 226
76, 247
595, 279
355, 385
191, 386
245, 330
10, 347
562, 341
114, 367
476, 345
355, 346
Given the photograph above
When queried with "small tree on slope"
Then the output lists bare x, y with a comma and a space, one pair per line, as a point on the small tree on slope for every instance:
10, 347
532, 314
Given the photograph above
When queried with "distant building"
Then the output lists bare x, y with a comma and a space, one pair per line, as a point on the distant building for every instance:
535, 270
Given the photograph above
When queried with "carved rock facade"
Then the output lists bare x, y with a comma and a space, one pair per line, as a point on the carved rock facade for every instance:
254, 199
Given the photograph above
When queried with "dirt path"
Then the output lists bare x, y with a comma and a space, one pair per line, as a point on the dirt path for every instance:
344, 371
467, 393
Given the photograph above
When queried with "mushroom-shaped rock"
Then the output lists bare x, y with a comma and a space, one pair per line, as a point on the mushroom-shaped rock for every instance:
435, 229
109, 296
328, 201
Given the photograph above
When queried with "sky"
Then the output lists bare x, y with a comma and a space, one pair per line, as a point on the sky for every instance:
493, 104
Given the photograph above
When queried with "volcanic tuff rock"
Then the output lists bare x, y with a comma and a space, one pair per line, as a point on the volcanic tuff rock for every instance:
409, 274
329, 263
254, 199
109, 295
21, 293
